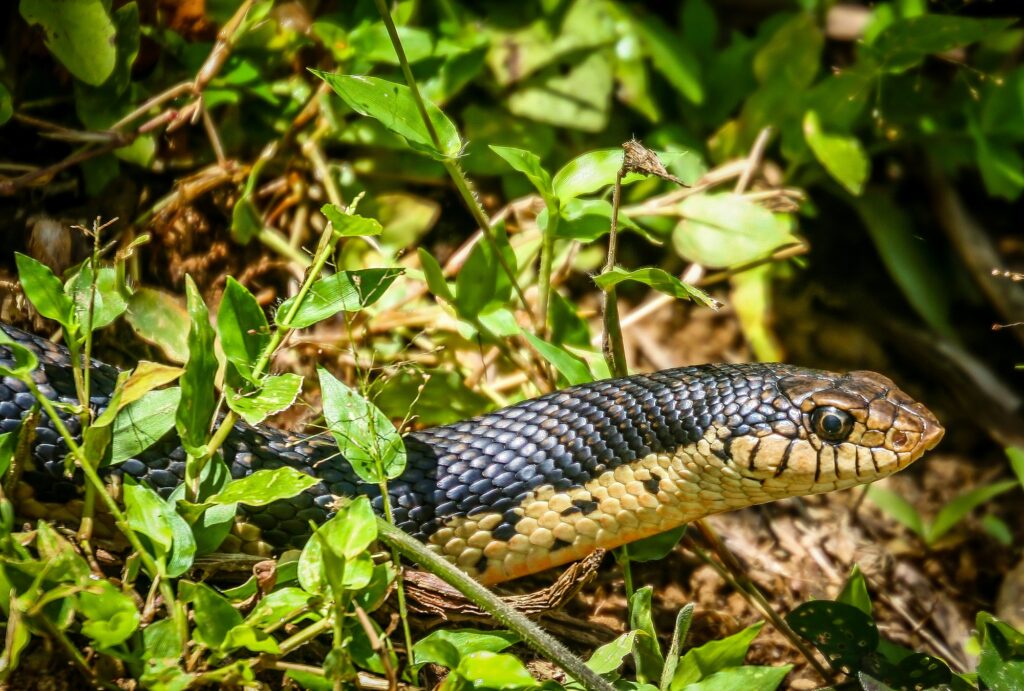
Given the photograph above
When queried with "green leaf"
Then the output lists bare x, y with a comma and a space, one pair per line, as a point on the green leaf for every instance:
792, 56
957, 510
214, 615
243, 328
568, 365
365, 436
660, 280
280, 605
142, 423
855, 591
1016, 456
682, 627
1001, 666
24, 359
435, 277
111, 616
907, 258
842, 155
657, 546
170, 537
906, 42
897, 508
198, 396
843, 633
276, 393
462, 641
528, 163
598, 169
722, 230
587, 220
336, 554
576, 97
348, 225
703, 661
435, 396
671, 56
159, 318
487, 670
608, 658
394, 106
482, 279
748, 678
348, 291
243, 636
6, 104
109, 301
646, 651
264, 487
44, 290
79, 33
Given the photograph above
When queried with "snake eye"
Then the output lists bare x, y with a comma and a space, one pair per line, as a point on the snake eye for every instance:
831, 424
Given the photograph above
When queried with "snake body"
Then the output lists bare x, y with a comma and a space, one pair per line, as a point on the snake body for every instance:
542, 482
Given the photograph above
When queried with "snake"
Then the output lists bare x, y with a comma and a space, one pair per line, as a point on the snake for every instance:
534, 485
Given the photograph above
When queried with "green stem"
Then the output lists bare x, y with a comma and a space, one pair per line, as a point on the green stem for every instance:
622, 556
403, 610
614, 351
306, 635
456, 173
528, 631
547, 257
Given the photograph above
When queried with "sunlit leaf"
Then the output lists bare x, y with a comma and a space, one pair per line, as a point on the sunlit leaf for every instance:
348, 291
242, 327
43, 289
79, 33
276, 393
842, 155
721, 230
660, 280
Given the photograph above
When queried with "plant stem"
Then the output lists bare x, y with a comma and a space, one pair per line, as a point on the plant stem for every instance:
403, 611
547, 256
530, 632
614, 350
456, 173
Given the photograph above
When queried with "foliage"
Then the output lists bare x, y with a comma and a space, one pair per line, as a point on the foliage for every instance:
274, 123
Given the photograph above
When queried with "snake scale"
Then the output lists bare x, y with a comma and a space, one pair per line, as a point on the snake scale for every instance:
542, 482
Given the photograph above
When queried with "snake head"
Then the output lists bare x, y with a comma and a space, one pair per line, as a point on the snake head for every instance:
860, 426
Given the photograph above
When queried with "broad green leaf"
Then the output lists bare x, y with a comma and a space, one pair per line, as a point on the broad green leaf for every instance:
487, 670
646, 651
482, 278
792, 56
608, 658
159, 318
24, 359
714, 656
435, 276
855, 591
751, 295
79, 33
111, 616
748, 678
906, 42
353, 530
142, 423
682, 628
108, 302
819, 620
371, 42
243, 636
657, 546
336, 554
598, 169
348, 291
1016, 456
43, 289
660, 280
214, 615
587, 220
957, 510
722, 230
198, 396
395, 107
907, 258
276, 393
6, 104
897, 508
350, 225
463, 641
366, 437
242, 328
171, 538
578, 97
278, 606
528, 163
264, 487
1001, 666
841, 155
1001, 166
568, 365
671, 56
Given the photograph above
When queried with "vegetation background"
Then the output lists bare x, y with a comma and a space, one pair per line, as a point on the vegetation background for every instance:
842, 188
